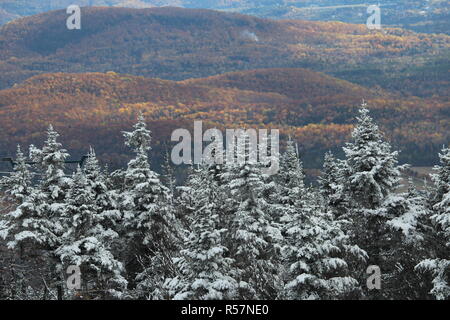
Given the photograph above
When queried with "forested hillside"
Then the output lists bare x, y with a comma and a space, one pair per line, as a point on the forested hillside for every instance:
316, 109
177, 44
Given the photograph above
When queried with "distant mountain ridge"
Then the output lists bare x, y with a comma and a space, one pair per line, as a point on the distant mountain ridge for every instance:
177, 44
418, 15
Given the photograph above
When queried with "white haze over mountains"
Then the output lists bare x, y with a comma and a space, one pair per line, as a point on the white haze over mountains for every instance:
341, 10
425, 16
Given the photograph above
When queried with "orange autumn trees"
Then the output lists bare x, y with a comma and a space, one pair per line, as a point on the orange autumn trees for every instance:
317, 110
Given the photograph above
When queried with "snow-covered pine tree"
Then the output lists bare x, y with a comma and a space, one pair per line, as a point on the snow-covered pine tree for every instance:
331, 184
16, 186
252, 236
371, 176
401, 213
438, 236
405, 245
287, 199
53, 187
372, 170
317, 254
291, 190
185, 202
441, 180
109, 215
217, 173
39, 221
205, 270
148, 220
105, 200
319, 257
87, 243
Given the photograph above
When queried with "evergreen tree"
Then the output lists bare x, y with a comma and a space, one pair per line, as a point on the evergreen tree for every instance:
39, 220
331, 184
319, 257
17, 186
105, 200
372, 172
316, 248
291, 190
185, 202
148, 220
381, 219
405, 245
438, 240
252, 237
206, 272
370, 175
51, 161
87, 242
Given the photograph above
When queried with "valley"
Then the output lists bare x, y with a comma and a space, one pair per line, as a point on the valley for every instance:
178, 65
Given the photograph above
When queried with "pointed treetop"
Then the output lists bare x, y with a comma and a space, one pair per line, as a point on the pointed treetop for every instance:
292, 157
92, 168
91, 152
329, 156
21, 164
139, 139
20, 157
329, 164
141, 117
364, 103
366, 128
291, 173
17, 185
91, 157
444, 157
328, 180
51, 153
52, 135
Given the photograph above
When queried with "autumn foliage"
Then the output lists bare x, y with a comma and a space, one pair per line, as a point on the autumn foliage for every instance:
178, 44
317, 110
